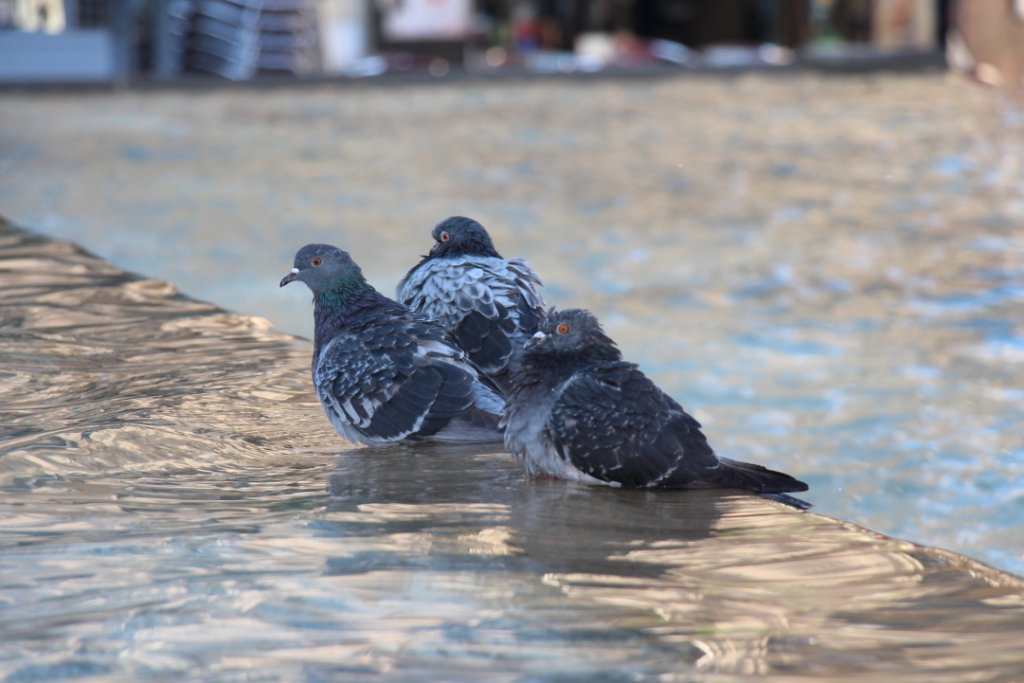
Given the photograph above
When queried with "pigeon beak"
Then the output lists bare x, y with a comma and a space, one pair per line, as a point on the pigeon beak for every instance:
290, 277
537, 338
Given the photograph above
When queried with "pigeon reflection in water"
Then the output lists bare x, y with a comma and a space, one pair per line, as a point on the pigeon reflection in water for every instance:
440, 491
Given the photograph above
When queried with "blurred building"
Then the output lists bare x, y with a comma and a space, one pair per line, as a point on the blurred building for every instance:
67, 40
78, 40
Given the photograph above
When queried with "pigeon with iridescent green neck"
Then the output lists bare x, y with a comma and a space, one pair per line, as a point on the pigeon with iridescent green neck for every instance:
383, 373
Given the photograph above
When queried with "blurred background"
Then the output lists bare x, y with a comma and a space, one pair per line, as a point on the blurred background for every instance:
90, 40
802, 218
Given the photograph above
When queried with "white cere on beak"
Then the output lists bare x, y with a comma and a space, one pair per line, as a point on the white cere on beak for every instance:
295, 271
538, 335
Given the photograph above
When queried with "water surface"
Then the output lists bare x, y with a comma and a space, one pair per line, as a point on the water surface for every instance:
827, 272
175, 507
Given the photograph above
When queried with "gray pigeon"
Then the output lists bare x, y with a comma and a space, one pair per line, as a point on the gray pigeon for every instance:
577, 411
492, 305
384, 373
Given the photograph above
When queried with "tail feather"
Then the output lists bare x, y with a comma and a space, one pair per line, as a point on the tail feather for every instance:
755, 478
786, 499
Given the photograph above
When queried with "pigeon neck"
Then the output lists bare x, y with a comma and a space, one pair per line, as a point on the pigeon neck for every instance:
547, 372
336, 308
478, 249
483, 250
556, 368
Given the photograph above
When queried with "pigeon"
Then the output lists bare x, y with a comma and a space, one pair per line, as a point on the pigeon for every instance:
383, 373
491, 304
577, 411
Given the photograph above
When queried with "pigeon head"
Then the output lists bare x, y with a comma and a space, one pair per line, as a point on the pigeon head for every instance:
324, 268
459, 235
571, 335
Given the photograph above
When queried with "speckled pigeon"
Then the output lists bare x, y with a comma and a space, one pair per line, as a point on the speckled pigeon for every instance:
492, 305
384, 373
577, 411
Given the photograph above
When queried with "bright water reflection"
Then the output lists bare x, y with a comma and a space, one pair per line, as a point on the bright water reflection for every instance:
175, 507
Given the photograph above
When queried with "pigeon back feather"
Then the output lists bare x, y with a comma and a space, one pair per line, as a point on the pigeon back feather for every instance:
491, 305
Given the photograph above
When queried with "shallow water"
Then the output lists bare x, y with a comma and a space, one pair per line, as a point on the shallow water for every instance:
827, 272
174, 506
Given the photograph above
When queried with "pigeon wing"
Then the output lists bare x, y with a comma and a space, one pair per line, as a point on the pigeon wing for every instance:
616, 425
353, 383
392, 382
529, 302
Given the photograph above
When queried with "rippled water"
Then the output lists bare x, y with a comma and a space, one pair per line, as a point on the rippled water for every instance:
174, 506
828, 272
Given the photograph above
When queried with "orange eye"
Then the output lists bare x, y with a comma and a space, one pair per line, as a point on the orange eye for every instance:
316, 261
445, 236
562, 329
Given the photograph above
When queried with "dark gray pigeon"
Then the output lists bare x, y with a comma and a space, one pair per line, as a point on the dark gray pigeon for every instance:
577, 411
384, 373
491, 304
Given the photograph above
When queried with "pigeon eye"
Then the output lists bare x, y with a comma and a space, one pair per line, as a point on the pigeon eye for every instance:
445, 236
562, 329
316, 261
